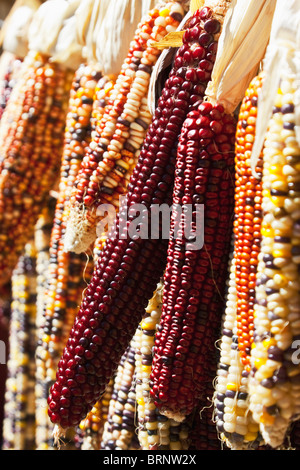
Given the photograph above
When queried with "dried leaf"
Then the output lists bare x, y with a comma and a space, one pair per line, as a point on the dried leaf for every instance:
173, 39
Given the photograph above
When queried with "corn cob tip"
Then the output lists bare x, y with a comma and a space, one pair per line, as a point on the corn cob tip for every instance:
58, 435
178, 417
77, 225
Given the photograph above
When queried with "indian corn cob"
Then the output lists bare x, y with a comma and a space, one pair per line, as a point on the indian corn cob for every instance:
5, 307
128, 270
19, 422
31, 140
67, 273
274, 382
42, 234
119, 427
194, 277
91, 428
233, 417
119, 135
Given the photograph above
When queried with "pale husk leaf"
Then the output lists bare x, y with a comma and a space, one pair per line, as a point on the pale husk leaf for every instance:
241, 47
282, 54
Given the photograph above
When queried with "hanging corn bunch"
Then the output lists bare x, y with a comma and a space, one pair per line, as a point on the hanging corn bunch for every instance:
113, 152
151, 182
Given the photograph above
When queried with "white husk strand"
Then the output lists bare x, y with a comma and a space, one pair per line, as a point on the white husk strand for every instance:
16, 30
80, 233
125, 16
281, 54
242, 45
53, 32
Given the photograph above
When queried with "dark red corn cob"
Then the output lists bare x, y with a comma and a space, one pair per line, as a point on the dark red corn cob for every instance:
128, 270
194, 278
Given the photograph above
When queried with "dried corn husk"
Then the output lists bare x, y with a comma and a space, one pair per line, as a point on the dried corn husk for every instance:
283, 53
53, 32
105, 29
15, 30
241, 48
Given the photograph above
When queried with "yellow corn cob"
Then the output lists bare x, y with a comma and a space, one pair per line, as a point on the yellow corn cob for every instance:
275, 386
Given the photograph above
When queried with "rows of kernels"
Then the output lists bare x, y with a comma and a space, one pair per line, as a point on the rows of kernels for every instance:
155, 431
194, 279
90, 430
115, 184
8, 82
248, 217
19, 422
121, 131
44, 439
64, 281
119, 428
231, 401
31, 140
275, 397
119, 291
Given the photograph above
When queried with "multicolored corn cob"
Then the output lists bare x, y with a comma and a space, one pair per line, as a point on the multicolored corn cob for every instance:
119, 428
42, 234
274, 385
233, 417
112, 154
31, 141
91, 428
155, 431
19, 422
